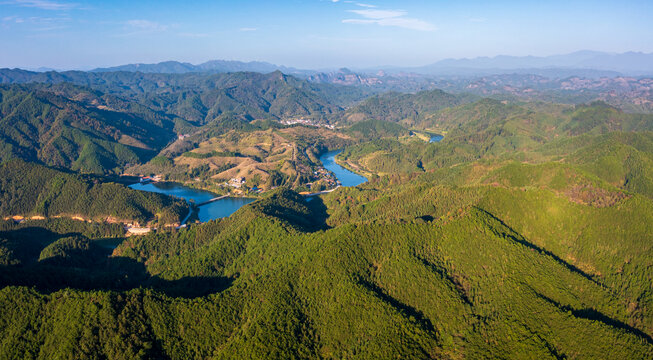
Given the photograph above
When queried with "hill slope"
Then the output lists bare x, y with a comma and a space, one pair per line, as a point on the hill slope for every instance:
39, 124
410, 109
28, 189
201, 97
464, 279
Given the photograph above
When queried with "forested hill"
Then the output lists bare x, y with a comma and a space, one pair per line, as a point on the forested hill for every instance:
78, 129
409, 109
418, 270
102, 122
525, 233
200, 97
32, 190
604, 140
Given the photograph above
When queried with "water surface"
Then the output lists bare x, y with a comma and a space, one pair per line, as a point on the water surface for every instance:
436, 138
215, 210
346, 177
227, 206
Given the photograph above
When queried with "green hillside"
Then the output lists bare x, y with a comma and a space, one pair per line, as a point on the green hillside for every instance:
525, 233
409, 109
461, 277
38, 125
200, 97
28, 189
489, 129
376, 129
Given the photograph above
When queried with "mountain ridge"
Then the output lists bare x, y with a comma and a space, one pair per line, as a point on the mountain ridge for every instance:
212, 66
629, 63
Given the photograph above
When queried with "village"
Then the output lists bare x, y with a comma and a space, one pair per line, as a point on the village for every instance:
322, 181
321, 175
326, 177
306, 122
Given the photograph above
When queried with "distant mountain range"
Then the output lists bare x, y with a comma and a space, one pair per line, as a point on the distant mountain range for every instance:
592, 64
629, 63
213, 66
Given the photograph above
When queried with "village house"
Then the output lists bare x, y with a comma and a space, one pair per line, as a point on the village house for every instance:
237, 182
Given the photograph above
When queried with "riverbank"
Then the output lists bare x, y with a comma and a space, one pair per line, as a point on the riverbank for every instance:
345, 176
131, 227
355, 168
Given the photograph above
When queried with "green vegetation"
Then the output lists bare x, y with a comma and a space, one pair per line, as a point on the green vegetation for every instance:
32, 190
409, 109
525, 233
491, 130
199, 98
376, 129
195, 155
461, 278
41, 124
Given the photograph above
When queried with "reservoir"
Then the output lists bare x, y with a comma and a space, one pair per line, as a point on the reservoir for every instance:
435, 138
346, 177
227, 206
211, 211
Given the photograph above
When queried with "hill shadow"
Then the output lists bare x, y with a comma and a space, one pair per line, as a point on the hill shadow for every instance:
92, 268
319, 213
516, 237
115, 273
595, 315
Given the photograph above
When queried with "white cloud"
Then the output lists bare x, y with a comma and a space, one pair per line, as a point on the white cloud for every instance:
366, 5
379, 14
37, 23
193, 35
248, 29
146, 25
395, 18
136, 27
42, 4
15, 19
51, 28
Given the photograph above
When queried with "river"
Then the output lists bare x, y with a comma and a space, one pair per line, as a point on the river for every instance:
346, 177
215, 210
227, 206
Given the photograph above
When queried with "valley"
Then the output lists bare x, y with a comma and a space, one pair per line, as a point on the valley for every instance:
427, 224
326, 179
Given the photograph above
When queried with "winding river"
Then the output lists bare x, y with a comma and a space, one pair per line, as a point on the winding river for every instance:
346, 177
227, 206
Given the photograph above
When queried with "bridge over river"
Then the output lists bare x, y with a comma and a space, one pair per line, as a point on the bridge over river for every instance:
212, 200
321, 192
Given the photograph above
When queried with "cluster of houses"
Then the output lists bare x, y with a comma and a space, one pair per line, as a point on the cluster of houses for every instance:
147, 179
326, 176
307, 122
236, 182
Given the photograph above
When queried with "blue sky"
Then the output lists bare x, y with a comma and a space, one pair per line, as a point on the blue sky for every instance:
311, 33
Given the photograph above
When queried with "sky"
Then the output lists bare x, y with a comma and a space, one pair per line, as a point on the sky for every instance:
311, 34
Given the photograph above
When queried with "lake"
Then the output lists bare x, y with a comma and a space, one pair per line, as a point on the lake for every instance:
436, 138
227, 206
346, 177
215, 210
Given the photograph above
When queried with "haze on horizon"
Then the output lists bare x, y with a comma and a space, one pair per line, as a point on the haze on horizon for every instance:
311, 34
